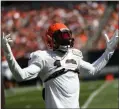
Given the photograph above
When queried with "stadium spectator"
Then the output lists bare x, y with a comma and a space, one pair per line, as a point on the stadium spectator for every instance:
31, 25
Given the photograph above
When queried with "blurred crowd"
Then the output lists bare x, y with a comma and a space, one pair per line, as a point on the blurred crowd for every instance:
28, 28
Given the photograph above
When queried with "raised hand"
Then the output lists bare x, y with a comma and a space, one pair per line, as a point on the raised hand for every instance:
6, 40
112, 43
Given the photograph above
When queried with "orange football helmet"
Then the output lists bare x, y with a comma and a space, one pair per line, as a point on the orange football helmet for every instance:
58, 34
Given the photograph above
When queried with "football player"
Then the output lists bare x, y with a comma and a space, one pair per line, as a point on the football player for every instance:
59, 66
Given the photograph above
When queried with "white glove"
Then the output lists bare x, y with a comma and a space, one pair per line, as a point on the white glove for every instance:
6, 40
112, 43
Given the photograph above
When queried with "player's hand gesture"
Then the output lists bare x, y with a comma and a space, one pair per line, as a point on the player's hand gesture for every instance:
112, 43
6, 40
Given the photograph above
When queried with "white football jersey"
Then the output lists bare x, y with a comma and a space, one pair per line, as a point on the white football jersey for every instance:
62, 91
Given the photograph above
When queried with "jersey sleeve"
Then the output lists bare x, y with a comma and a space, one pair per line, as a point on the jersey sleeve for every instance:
36, 58
77, 53
86, 67
35, 66
30, 72
96, 66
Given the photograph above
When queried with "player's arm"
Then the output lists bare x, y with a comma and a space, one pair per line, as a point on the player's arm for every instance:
97, 65
103, 60
20, 74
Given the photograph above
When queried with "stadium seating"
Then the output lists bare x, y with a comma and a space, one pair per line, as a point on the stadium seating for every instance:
28, 27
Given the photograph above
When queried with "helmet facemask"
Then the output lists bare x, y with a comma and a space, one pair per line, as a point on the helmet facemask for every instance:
62, 38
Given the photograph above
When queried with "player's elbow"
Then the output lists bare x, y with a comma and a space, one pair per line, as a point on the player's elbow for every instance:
19, 77
89, 71
92, 71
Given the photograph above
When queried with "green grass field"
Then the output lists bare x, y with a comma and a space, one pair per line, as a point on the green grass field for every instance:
30, 97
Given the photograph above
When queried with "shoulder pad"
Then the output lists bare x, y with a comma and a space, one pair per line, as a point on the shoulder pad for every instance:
38, 53
77, 53
35, 56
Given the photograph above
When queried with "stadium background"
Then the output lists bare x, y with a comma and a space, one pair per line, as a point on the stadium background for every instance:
28, 22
